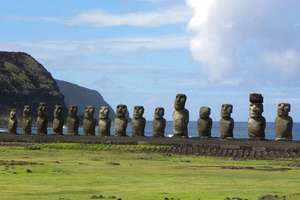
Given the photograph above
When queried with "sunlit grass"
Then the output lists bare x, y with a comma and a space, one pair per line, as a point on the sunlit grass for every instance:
92, 171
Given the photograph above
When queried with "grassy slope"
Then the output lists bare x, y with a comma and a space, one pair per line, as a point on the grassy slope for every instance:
73, 172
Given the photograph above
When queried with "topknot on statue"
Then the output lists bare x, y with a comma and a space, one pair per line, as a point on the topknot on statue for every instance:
256, 98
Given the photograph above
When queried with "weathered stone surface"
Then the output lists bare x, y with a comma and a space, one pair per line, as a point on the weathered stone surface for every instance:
259, 148
237, 148
226, 122
27, 120
12, 122
204, 122
256, 122
121, 120
159, 122
180, 117
89, 121
42, 119
58, 121
72, 120
104, 121
138, 121
230, 146
283, 122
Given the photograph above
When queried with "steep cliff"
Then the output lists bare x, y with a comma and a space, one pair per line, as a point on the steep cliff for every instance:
23, 80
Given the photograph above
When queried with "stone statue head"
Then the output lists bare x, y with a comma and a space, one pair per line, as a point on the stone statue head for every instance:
204, 112
180, 102
42, 109
73, 110
256, 110
256, 107
13, 114
27, 111
57, 113
121, 111
138, 112
283, 109
159, 113
226, 111
89, 112
103, 112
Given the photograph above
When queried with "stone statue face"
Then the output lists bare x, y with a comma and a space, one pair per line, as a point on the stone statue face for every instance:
283, 109
57, 111
89, 112
180, 102
256, 110
226, 110
103, 112
13, 113
159, 113
27, 110
138, 112
204, 112
121, 111
42, 109
73, 110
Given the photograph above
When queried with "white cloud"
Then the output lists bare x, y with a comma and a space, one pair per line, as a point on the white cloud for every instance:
53, 49
100, 18
235, 37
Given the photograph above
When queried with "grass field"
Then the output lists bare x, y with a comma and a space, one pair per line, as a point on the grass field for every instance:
85, 172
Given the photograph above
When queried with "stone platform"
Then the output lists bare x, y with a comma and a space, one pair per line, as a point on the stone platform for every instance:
236, 148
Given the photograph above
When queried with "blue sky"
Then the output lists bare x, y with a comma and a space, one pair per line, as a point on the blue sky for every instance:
143, 52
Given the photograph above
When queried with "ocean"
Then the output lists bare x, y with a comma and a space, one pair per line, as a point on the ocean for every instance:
240, 130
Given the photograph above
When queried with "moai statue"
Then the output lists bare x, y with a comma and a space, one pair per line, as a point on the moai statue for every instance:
138, 121
159, 122
72, 120
180, 117
204, 123
27, 120
121, 120
256, 122
283, 122
58, 121
226, 122
104, 121
12, 122
42, 119
89, 121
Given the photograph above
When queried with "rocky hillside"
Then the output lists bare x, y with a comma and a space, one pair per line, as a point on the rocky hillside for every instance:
81, 96
23, 80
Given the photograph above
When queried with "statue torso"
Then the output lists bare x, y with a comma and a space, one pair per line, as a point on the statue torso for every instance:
180, 121
256, 127
226, 127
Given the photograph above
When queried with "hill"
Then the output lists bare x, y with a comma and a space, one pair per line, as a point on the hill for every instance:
81, 96
23, 80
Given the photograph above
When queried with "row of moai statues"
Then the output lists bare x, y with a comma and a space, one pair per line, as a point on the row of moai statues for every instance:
256, 121
89, 122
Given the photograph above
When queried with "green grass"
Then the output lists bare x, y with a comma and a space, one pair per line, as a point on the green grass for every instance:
80, 171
